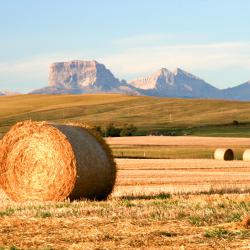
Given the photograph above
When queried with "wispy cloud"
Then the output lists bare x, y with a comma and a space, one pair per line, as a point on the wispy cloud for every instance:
129, 61
31, 73
139, 40
210, 56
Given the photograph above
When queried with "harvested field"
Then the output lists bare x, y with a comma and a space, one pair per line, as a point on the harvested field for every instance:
180, 141
141, 214
181, 176
170, 147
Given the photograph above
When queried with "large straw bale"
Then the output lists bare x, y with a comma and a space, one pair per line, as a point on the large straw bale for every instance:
246, 155
50, 162
224, 154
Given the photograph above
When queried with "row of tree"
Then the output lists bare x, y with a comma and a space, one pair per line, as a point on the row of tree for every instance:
112, 131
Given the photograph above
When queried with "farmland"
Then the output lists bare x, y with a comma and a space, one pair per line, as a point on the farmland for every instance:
183, 116
160, 204
175, 147
169, 193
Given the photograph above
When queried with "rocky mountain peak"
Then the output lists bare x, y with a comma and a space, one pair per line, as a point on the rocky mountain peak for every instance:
75, 74
77, 77
160, 77
163, 71
178, 83
180, 72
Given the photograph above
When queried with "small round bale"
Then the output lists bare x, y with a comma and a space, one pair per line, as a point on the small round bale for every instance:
246, 155
50, 162
224, 154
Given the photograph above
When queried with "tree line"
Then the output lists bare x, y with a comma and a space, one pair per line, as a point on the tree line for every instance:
112, 131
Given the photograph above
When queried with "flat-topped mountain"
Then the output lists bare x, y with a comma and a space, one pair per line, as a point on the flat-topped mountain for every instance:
82, 74
77, 77
178, 83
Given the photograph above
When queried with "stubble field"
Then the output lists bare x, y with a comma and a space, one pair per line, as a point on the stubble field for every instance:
156, 204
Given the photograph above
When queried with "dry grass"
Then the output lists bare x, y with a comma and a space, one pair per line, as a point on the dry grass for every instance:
159, 222
181, 176
147, 113
180, 141
141, 214
180, 147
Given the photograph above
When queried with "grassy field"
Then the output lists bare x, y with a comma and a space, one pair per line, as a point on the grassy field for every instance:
184, 116
156, 204
175, 147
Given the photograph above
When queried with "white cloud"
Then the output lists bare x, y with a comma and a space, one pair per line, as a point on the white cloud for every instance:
143, 39
130, 62
214, 56
31, 73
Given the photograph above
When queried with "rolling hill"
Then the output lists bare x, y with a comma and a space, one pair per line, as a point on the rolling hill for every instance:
194, 116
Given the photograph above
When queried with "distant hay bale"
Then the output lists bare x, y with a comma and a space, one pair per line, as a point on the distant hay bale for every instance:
224, 154
246, 155
246, 221
50, 162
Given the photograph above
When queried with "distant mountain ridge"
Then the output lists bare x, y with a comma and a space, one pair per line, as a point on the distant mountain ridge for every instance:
240, 92
77, 77
8, 93
178, 83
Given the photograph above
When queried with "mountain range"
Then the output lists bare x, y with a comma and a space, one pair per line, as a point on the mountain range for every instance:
8, 93
78, 77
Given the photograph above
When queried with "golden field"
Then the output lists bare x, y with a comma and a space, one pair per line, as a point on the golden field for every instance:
185, 201
152, 176
175, 147
156, 204
180, 141
191, 116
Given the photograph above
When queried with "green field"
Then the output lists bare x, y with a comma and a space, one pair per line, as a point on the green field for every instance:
183, 116
169, 152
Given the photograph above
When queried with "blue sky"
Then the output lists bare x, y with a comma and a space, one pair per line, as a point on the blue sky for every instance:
133, 38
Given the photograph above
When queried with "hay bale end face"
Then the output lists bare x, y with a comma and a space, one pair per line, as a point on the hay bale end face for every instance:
246, 155
224, 154
50, 162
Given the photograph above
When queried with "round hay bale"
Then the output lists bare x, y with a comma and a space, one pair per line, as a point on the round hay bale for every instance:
50, 162
246, 155
224, 154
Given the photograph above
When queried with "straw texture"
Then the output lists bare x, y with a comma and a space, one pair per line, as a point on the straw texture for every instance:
50, 162
246, 155
224, 154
